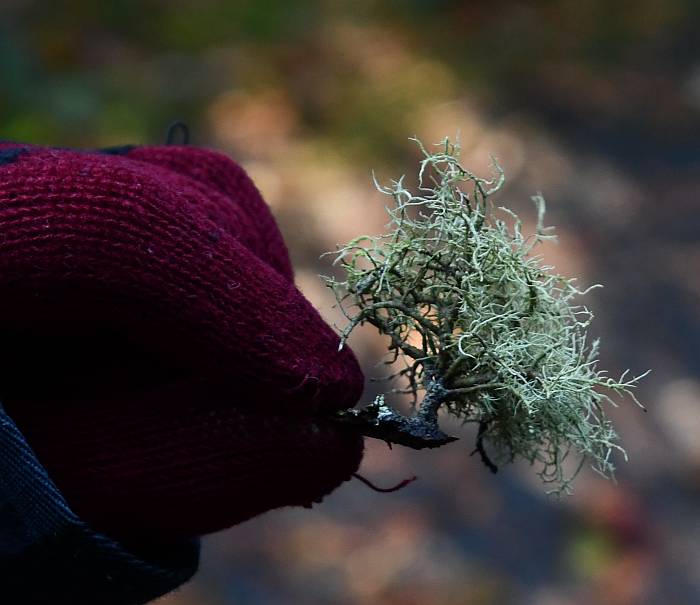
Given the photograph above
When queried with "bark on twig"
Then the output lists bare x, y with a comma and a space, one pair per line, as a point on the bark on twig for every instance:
418, 432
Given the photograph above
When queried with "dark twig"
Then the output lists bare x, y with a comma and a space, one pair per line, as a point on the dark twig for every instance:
483, 427
378, 420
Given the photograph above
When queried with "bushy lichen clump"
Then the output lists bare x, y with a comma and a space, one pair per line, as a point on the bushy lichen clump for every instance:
480, 326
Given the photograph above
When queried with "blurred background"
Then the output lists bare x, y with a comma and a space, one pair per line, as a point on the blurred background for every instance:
596, 104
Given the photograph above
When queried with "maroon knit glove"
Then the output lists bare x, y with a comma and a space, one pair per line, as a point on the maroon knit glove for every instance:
154, 349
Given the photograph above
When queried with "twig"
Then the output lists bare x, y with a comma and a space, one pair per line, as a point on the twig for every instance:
483, 427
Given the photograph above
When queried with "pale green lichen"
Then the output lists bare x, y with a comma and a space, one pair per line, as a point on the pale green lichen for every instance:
480, 326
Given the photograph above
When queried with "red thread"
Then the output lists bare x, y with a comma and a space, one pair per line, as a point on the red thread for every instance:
385, 490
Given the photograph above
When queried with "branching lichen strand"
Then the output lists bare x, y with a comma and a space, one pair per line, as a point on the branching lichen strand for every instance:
483, 328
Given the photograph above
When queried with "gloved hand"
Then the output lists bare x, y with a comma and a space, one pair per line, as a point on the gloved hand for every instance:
156, 355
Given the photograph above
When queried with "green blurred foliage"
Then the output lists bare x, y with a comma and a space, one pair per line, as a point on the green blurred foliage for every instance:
81, 73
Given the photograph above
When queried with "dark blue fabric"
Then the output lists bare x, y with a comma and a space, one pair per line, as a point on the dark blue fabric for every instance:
49, 556
117, 150
7, 156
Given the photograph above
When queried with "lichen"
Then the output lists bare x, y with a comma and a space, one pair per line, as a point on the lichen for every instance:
481, 328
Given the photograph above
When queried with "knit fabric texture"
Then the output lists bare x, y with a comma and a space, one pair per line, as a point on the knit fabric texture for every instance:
48, 555
157, 357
